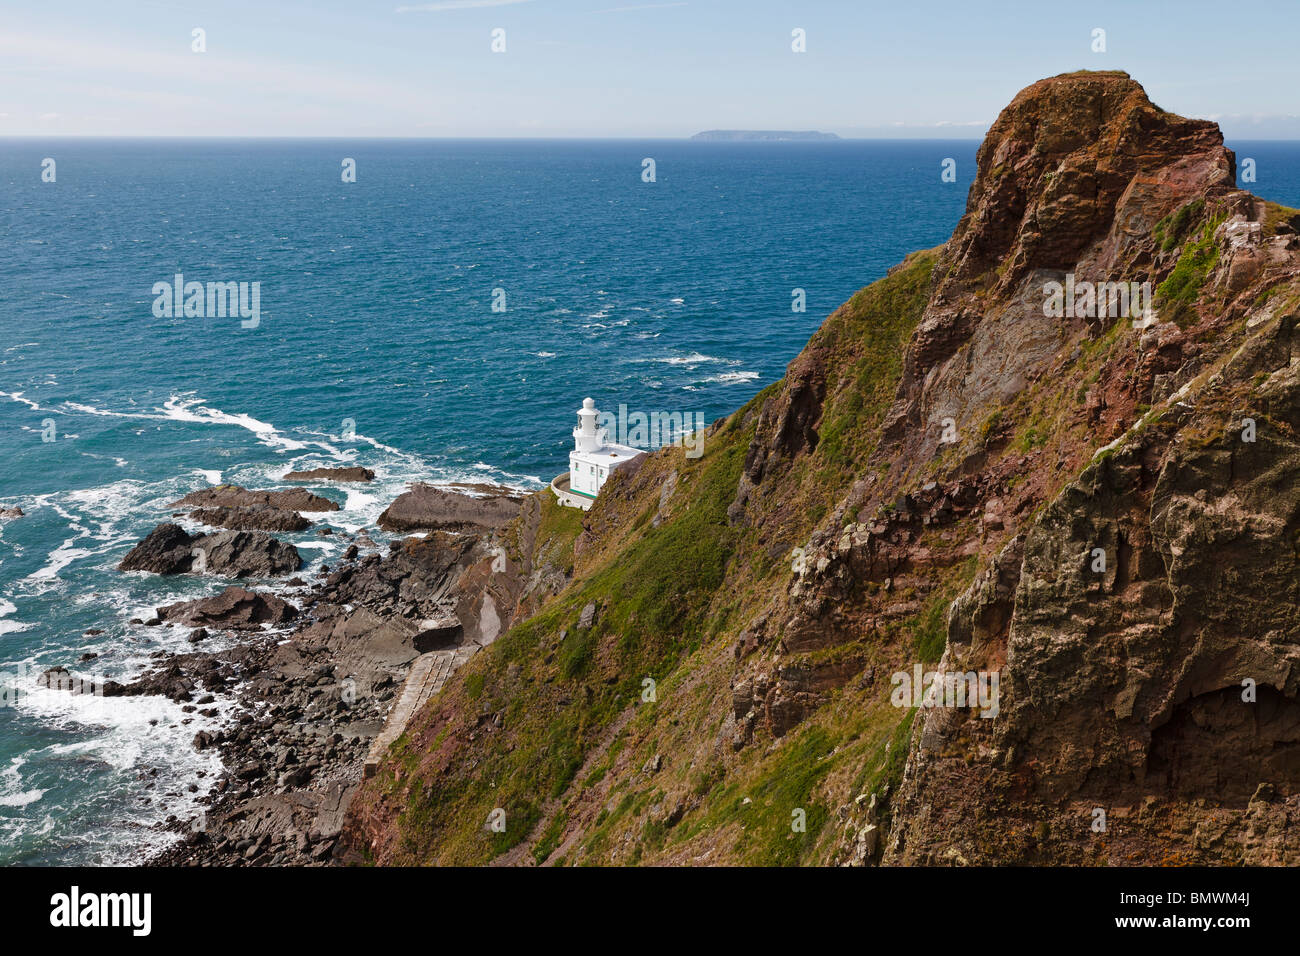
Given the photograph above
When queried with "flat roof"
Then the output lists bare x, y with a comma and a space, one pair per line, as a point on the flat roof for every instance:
607, 455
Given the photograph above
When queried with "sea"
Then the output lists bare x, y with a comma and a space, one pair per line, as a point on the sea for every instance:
435, 310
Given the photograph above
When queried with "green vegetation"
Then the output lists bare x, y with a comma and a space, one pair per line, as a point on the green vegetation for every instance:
558, 528
1168, 232
1177, 295
1276, 215
657, 588
873, 327
654, 599
930, 633
989, 427
1032, 437
474, 686
764, 803
884, 767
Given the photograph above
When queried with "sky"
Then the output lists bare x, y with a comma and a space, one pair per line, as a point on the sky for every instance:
621, 68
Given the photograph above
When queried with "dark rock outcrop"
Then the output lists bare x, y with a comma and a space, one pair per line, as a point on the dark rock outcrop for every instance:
352, 473
165, 550
235, 607
308, 707
426, 508
169, 549
233, 496
255, 518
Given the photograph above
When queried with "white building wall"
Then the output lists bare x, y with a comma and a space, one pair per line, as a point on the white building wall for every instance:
587, 476
582, 478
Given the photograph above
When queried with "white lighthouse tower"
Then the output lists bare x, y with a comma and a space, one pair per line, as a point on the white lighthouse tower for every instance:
587, 437
592, 461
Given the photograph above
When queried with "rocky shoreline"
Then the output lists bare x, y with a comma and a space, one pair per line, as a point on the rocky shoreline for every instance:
313, 674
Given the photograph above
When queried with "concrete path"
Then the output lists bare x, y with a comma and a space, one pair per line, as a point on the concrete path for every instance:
429, 672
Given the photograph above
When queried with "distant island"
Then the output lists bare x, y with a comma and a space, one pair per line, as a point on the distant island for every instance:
764, 135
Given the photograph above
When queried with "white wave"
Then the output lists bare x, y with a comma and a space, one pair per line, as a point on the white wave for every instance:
10, 627
11, 781
182, 409
359, 500
59, 559
695, 358
186, 408
104, 413
408, 456
113, 509
119, 462
128, 734
732, 378
22, 798
18, 397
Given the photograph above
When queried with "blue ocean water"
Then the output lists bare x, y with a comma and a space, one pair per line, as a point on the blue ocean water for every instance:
378, 345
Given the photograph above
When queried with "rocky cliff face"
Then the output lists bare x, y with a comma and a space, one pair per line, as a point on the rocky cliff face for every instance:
1093, 506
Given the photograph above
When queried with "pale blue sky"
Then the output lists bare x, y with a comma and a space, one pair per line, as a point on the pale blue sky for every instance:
643, 68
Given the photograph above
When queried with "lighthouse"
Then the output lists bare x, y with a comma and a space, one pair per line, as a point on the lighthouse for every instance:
593, 459
587, 437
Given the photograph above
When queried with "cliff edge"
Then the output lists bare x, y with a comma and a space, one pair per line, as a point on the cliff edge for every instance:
1056, 456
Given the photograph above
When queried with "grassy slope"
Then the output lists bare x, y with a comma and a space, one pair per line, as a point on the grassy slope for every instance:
517, 723
550, 725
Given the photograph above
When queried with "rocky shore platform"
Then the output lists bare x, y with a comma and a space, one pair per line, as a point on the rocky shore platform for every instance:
317, 674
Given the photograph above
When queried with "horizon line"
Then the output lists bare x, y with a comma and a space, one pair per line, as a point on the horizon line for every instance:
177, 137
705, 143
687, 138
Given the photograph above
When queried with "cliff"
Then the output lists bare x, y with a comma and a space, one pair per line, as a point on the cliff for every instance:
1094, 508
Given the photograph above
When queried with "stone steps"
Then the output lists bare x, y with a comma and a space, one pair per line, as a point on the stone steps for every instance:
429, 673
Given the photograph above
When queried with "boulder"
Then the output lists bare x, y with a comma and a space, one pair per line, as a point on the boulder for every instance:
235, 607
426, 508
166, 550
255, 518
332, 474
233, 496
241, 554
169, 549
